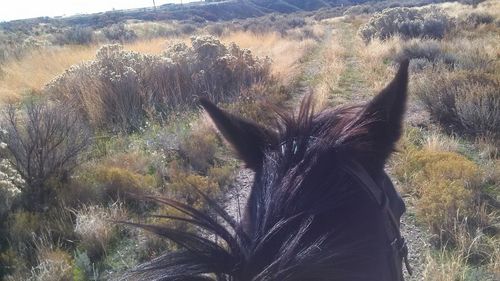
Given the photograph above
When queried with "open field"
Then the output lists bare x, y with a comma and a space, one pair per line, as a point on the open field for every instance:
116, 121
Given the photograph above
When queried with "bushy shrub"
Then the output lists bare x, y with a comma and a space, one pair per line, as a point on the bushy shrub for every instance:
462, 101
199, 148
271, 23
83, 268
445, 184
359, 10
458, 54
30, 234
184, 186
119, 176
475, 19
121, 185
75, 35
187, 29
223, 175
216, 29
44, 140
119, 33
295, 22
149, 30
10, 181
407, 22
22, 228
430, 50
120, 89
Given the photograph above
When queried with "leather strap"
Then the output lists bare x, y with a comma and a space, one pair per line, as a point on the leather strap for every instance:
377, 193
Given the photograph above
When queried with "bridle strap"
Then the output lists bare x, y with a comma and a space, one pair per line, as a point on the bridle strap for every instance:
380, 197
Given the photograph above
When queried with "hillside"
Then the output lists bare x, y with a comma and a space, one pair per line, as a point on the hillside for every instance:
199, 12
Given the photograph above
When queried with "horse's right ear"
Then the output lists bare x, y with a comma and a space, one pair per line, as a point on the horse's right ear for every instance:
248, 138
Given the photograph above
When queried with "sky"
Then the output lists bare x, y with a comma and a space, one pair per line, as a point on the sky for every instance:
22, 9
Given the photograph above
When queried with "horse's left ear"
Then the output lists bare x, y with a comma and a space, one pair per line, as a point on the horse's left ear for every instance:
387, 111
248, 138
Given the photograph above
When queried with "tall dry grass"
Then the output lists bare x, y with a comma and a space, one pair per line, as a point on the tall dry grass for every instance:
372, 57
459, 10
37, 68
284, 52
332, 65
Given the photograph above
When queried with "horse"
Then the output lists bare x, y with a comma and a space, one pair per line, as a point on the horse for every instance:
321, 207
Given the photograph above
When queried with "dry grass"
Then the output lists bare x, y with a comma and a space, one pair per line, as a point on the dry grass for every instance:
373, 55
39, 67
332, 65
439, 142
444, 267
459, 10
284, 52
36, 69
154, 46
474, 256
94, 228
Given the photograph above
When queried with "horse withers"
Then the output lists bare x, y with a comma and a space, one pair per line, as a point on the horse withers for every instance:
321, 207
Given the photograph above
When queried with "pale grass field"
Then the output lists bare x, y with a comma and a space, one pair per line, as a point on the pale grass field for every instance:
458, 10
36, 69
285, 53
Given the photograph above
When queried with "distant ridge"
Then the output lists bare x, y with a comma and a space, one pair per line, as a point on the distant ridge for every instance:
196, 11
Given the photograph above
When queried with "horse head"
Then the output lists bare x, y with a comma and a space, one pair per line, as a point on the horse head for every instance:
321, 206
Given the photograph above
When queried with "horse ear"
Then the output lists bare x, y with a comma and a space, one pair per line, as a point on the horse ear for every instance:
248, 138
387, 111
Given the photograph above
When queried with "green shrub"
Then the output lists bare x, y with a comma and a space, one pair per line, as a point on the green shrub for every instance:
9, 262
83, 268
199, 147
121, 185
223, 175
445, 184
23, 226
184, 186
407, 22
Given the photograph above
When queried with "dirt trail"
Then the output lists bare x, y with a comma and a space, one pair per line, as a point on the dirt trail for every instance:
350, 88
